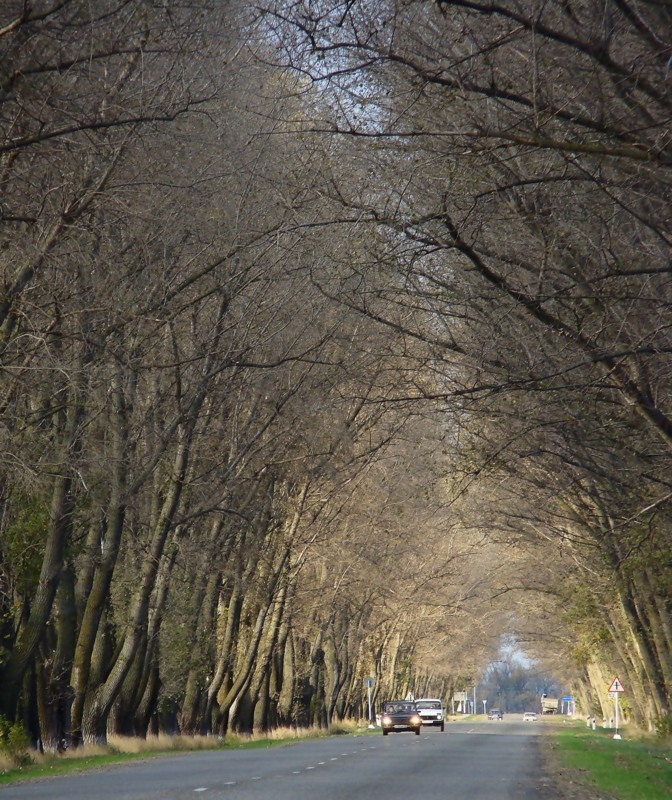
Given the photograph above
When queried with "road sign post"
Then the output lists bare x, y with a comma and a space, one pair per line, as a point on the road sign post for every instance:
370, 683
461, 699
614, 690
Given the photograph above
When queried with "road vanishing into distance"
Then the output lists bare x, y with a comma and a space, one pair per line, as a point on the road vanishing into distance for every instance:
474, 761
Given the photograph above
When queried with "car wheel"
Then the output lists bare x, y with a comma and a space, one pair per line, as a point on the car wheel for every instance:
442, 726
385, 732
417, 731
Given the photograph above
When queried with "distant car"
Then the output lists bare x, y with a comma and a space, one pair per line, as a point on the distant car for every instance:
400, 715
495, 713
431, 711
530, 716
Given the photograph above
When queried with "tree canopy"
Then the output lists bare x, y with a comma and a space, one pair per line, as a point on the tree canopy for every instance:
335, 344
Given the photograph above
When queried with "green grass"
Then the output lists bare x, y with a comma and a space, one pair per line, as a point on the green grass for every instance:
627, 768
122, 750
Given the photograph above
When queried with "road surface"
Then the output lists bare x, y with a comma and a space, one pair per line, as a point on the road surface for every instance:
474, 761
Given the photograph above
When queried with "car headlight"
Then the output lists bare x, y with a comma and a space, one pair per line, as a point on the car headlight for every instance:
415, 720
386, 721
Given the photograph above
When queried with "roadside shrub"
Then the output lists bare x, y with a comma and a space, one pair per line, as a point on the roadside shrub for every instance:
14, 743
663, 726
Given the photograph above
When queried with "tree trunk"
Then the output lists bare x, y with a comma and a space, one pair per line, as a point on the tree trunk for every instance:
146, 709
260, 683
98, 592
287, 679
192, 713
61, 514
99, 700
53, 669
225, 651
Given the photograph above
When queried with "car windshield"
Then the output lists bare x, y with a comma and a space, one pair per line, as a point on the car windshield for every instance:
399, 708
428, 704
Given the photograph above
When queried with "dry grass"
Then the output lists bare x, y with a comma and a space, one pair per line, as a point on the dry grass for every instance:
161, 743
5, 763
130, 745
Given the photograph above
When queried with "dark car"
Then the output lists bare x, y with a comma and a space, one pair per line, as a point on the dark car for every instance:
400, 715
495, 713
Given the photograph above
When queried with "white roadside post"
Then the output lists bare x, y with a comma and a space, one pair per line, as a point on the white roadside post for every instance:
612, 696
370, 683
614, 690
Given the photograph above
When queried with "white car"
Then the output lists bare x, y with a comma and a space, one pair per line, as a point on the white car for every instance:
432, 711
530, 716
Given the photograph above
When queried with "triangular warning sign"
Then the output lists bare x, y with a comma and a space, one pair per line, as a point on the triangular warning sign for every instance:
616, 686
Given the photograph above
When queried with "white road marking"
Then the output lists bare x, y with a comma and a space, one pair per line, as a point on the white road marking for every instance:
201, 789
310, 767
321, 763
335, 758
230, 783
255, 779
296, 772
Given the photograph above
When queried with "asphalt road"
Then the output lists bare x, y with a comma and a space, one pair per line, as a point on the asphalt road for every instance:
474, 761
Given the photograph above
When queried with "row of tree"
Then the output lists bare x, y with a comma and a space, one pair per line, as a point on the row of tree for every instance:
512, 163
208, 472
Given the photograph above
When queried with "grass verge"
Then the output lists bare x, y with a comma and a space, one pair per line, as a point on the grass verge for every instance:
125, 749
627, 769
